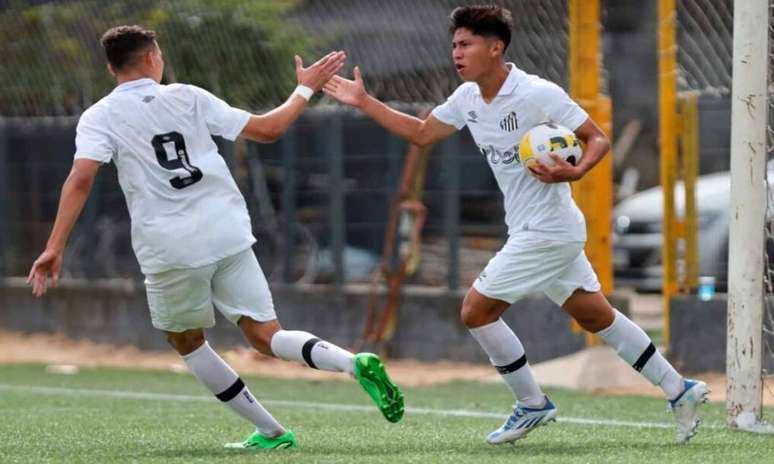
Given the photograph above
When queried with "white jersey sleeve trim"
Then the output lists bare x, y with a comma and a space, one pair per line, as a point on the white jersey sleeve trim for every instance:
557, 105
222, 119
92, 138
450, 112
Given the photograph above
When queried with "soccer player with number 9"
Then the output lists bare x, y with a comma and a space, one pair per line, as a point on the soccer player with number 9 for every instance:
190, 228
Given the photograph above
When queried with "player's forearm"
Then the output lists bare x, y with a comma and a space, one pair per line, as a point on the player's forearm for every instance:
75, 191
269, 127
403, 125
596, 148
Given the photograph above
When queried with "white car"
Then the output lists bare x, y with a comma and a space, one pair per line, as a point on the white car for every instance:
637, 238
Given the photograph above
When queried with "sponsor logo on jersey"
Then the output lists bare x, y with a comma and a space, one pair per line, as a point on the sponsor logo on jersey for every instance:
495, 156
472, 116
509, 122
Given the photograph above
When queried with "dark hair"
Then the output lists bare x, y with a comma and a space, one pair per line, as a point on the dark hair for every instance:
122, 42
483, 20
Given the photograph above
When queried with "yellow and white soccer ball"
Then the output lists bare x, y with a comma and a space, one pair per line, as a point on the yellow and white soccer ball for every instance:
542, 140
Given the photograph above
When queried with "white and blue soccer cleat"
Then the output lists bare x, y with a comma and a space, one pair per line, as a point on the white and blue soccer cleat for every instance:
522, 421
685, 408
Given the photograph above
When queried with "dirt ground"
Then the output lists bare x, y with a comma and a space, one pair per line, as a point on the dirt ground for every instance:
58, 350
64, 355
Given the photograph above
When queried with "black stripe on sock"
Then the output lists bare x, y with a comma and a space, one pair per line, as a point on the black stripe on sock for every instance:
306, 351
644, 358
232, 391
512, 367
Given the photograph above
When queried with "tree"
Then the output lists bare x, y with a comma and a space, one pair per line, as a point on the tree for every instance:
53, 64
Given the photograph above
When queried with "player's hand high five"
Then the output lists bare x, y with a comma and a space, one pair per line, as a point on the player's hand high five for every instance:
316, 75
349, 92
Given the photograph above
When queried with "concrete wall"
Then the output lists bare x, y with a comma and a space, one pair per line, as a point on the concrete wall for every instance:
428, 327
699, 335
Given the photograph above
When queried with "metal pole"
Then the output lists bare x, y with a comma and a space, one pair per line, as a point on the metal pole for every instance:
4, 194
689, 112
749, 119
395, 149
451, 176
288, 154
226, 150
333, 146
593, 193
667, 71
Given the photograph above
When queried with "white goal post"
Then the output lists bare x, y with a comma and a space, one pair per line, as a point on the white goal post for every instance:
749, 120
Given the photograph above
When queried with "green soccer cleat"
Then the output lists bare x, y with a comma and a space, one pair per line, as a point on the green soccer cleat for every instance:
370, 373
258, 441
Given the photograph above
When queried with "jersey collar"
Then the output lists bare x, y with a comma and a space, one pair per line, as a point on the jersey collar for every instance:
510, 84
134, 84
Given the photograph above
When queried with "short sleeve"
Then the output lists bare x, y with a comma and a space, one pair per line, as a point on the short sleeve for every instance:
558, 106
222, 119
451, 112
92, 138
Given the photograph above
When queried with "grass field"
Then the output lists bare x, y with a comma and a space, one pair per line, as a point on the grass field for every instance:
111, 416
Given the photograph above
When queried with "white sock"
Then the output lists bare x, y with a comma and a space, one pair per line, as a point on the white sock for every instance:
297, 345
506, 354
221, 380
635, 347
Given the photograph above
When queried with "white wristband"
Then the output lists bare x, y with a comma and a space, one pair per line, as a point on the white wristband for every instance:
304, 91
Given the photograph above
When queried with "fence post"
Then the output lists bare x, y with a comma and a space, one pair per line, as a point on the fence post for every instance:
451, 177
226, 150
394, 168
4, 193
667, 65
332, 147
288, 200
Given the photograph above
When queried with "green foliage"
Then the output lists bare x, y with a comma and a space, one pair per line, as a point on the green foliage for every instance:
240, 50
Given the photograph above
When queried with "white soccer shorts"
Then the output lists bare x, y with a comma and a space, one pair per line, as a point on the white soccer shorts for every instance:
524, 267
182, 299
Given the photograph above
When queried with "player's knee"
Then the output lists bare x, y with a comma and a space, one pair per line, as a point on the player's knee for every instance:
185, 342
262, 343
472, 317
260, 334
592, 322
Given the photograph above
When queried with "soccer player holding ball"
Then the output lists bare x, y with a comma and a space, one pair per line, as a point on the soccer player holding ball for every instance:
190, 228
499, 103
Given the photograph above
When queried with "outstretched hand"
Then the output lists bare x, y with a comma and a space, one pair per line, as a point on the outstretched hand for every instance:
349, 92
561, 171
317, 74
49, 262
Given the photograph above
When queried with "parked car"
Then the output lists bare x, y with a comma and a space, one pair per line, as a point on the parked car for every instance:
637, 238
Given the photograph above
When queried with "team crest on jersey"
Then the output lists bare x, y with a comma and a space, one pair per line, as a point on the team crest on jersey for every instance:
473, 117
509, 122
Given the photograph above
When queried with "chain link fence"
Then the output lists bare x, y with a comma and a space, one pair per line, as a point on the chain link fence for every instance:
243, 50
320, 197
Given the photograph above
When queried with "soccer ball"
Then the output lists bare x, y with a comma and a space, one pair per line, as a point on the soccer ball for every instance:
547, 138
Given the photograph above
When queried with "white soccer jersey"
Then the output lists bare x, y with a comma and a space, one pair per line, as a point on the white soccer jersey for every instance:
533, 209
185, 207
